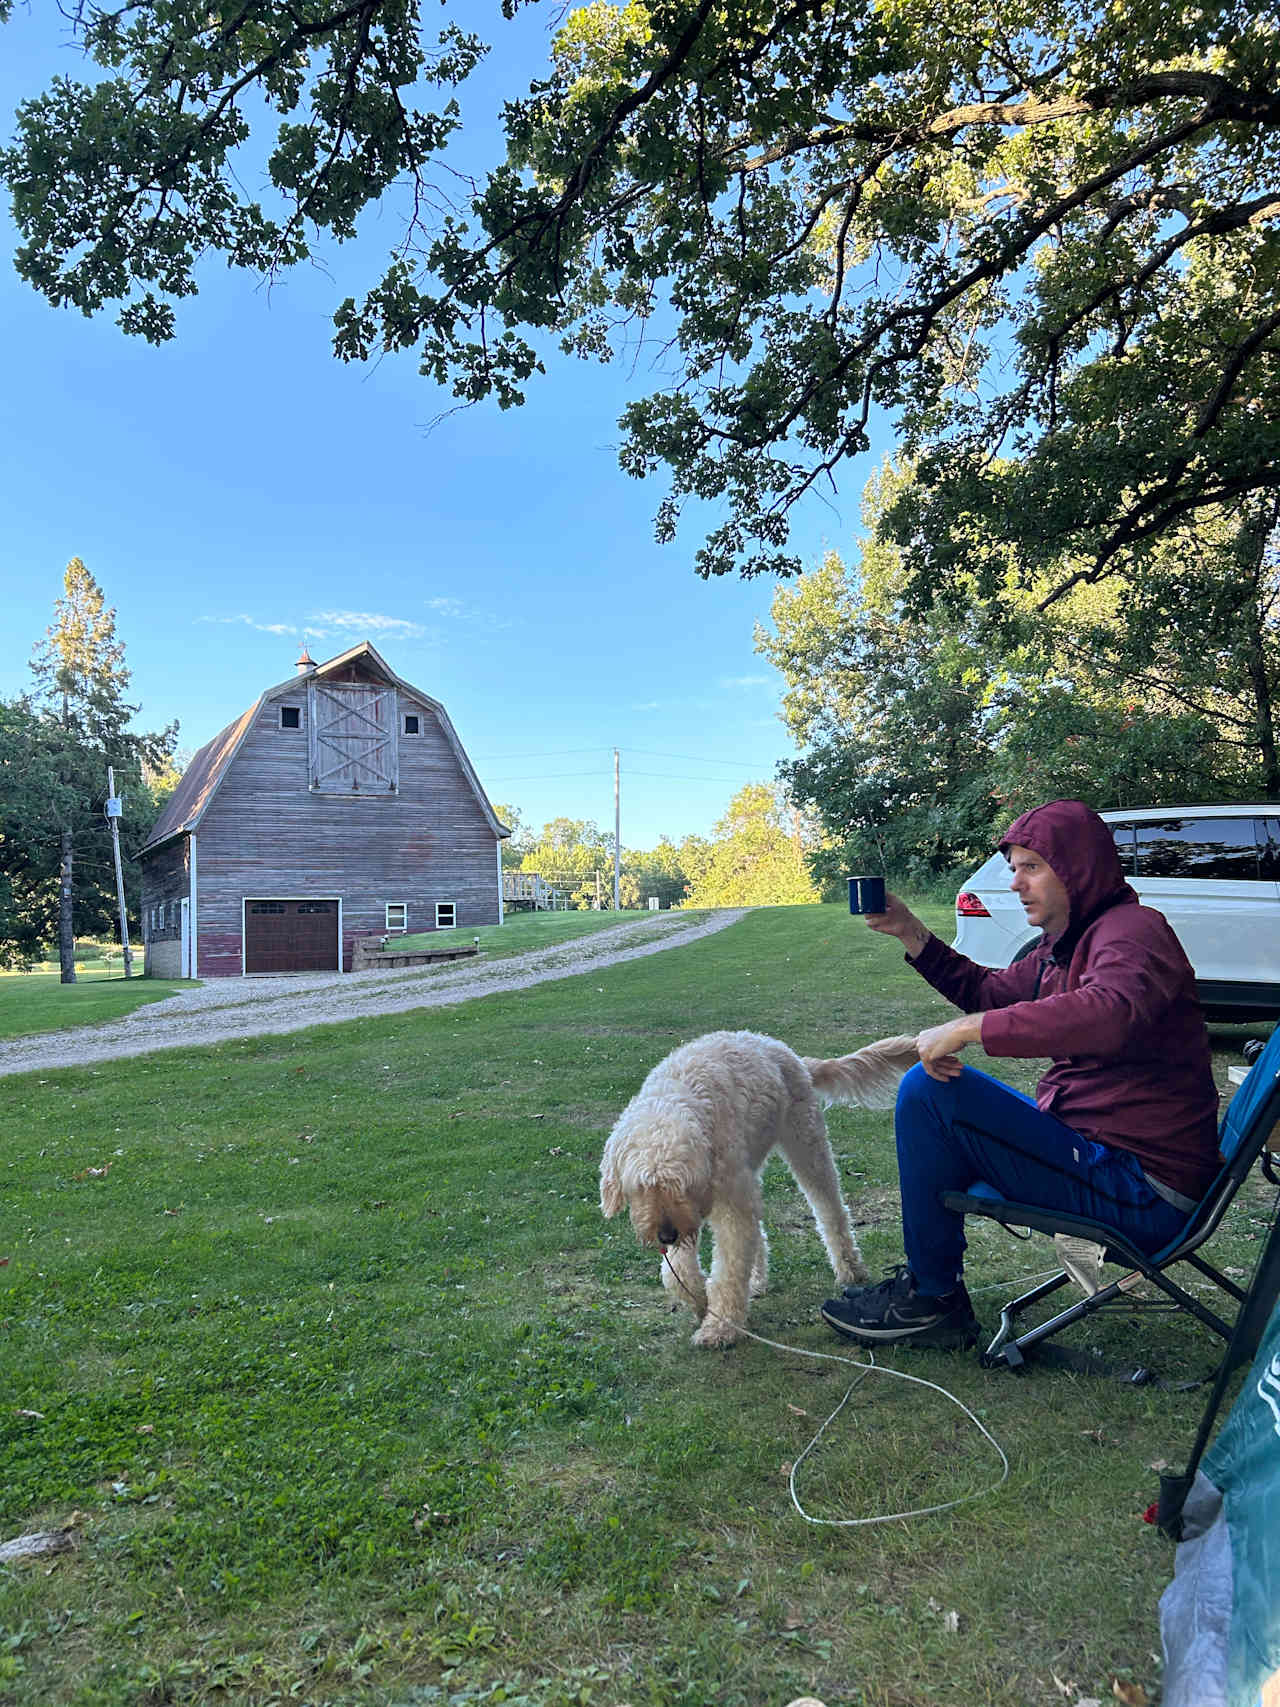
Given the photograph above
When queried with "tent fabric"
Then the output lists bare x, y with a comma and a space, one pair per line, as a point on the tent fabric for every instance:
1220, 1616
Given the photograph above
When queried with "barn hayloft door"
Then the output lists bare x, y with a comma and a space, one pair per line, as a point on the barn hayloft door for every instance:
353, 738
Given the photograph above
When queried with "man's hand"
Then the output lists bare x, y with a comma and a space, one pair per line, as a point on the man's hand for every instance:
939, 1047
898, 920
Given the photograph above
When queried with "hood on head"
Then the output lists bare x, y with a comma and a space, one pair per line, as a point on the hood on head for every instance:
1080, 850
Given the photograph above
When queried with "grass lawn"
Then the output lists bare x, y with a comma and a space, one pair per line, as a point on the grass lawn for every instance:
353, 1397
520, 932
39, 1001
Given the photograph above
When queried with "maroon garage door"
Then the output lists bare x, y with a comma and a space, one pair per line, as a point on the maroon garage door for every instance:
291, 936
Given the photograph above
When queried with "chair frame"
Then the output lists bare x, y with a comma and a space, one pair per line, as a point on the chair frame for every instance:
1252, 1144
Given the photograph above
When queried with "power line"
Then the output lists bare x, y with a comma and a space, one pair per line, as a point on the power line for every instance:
646, 752
544, 776
563, 753
690, 758
675, 776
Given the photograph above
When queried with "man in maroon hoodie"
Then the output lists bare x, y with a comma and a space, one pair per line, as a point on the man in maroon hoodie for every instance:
1123, 1128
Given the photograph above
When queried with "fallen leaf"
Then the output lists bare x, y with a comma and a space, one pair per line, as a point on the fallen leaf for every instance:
794, 1620
1132, 1694
795, 1410
1061, 1687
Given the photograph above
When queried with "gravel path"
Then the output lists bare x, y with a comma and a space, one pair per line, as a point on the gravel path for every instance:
225, 1008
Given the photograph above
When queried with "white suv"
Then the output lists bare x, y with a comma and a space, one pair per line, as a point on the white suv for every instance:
1213, 871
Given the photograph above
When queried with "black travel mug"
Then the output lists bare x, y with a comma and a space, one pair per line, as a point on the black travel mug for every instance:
866, 894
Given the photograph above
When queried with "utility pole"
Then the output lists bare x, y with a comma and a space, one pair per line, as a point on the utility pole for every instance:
617, 832
113, 818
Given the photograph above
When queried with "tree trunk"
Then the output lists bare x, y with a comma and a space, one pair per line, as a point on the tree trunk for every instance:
1256, 539
66, 935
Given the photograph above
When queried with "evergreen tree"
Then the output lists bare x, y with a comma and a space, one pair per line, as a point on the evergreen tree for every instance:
79, 726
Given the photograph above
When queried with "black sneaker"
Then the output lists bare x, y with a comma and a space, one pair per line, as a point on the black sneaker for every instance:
894, 1313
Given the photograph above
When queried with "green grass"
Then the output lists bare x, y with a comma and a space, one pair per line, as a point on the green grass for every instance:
360, 1401
31, 1002
520, 932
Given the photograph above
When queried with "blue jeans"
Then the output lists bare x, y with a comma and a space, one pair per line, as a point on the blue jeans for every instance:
952, 1133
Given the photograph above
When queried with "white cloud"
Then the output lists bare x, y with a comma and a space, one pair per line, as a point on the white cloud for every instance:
454, 610
250, 622
746, 682
651, 705
327, 622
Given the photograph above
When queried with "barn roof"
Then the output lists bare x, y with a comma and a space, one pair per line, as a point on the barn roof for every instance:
202, 778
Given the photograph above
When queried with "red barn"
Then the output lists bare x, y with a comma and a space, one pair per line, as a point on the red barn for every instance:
341, 803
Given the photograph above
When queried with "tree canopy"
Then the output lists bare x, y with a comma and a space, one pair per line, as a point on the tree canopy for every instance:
922, 733
1040, 240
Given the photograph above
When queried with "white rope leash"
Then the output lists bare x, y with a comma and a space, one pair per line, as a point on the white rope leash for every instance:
864, 1370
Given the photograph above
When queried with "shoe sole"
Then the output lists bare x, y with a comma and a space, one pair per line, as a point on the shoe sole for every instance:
933, 1337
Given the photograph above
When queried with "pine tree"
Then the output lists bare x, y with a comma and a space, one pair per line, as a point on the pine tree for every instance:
81, 679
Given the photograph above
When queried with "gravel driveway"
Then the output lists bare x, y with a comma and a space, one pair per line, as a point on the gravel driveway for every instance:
225, 1008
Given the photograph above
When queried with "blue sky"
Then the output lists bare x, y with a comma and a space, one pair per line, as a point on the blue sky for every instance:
240, 491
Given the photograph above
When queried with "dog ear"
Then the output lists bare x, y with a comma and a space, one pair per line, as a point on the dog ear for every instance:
611, 1198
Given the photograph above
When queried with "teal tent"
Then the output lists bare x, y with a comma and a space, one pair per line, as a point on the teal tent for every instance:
1220, 1616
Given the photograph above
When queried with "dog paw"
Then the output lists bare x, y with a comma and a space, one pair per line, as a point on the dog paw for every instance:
855, 1274
713, 1333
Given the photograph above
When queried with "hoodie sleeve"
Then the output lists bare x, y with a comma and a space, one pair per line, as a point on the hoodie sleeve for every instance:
1133, 967
974, 988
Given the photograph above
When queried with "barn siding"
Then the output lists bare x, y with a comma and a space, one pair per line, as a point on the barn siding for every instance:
166, 880
268, 833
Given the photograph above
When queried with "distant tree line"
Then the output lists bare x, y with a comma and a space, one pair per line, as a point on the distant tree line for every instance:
758, 855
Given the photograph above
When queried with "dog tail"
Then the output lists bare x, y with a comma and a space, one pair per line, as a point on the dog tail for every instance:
869, 1077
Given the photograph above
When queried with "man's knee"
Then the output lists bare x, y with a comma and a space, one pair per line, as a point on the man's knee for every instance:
914, 1084
919, 1094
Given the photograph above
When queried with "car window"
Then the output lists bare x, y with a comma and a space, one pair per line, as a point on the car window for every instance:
1198, 847
1123, 834
1269, 847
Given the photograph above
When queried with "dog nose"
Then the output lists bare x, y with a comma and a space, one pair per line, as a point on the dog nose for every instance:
667, 1234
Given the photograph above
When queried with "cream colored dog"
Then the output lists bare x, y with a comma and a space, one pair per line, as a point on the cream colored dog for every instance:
689, 1146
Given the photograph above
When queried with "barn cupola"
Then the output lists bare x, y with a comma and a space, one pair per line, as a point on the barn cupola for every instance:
306, 664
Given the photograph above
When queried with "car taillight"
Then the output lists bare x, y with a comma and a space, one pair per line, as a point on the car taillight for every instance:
969, 907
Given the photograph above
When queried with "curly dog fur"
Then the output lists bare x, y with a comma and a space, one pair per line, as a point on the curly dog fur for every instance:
689, 1147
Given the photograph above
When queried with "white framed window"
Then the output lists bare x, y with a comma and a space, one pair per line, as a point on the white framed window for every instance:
291, 717
446, 915
397, 916
160, 916
412, 723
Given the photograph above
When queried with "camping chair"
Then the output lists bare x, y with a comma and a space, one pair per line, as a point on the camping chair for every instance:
1243, 1137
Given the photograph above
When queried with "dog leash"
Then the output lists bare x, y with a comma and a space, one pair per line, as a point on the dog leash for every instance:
864, 1369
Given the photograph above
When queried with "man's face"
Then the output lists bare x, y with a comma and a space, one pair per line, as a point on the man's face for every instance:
1043, 895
